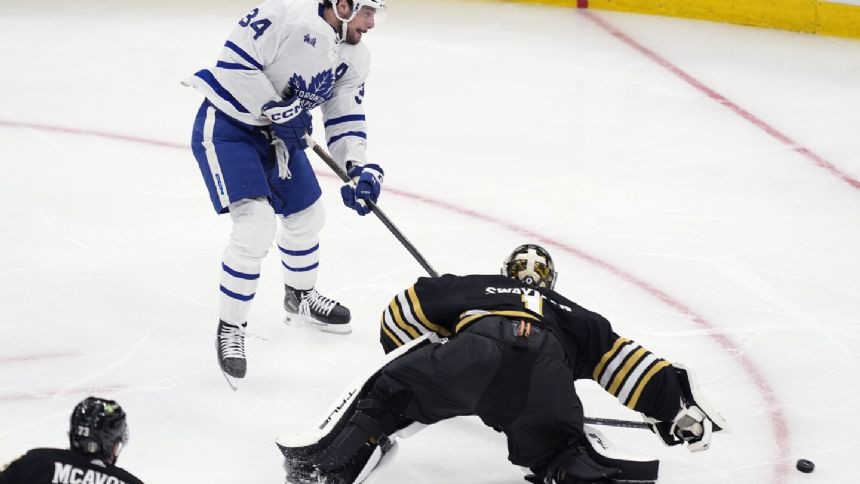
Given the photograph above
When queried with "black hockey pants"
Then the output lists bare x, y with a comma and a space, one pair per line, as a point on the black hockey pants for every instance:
521, 385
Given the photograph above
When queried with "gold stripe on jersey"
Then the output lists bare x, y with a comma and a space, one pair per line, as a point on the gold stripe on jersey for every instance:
621, 375
627, 371
398, 318
648, 360
408, 313
389, 322
390, 335
508, 314
643, 382
607, 356
419, 313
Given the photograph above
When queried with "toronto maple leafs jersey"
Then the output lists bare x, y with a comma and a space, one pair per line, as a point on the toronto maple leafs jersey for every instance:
283, 47
448, 304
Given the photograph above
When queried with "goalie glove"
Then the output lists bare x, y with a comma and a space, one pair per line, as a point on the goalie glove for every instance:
690, 425
695, 422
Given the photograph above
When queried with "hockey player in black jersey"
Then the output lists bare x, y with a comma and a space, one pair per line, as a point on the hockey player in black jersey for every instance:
510, 350
97, 435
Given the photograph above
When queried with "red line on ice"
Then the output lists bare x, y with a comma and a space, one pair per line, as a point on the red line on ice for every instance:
96, 391
35, 357
92, 132
713, 94
774, 407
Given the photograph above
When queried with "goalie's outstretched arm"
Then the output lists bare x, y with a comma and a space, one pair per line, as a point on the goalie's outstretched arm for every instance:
666, 394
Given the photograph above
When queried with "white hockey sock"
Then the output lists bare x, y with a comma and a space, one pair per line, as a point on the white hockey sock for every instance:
253, 231
298, 244
238, 287
300, 264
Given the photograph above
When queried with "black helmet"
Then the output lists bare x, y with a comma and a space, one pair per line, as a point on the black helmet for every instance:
532, 265
98, 428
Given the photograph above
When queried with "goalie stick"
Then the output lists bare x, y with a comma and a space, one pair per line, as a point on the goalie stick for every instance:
612, 422
321, 152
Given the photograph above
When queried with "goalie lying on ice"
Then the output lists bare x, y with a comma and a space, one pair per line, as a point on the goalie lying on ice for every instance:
509, 352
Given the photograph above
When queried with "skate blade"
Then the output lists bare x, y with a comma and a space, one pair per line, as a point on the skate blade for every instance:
231, 381
301, 321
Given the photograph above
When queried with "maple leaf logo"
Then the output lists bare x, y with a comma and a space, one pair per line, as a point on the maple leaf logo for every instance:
297, 83
322, 84
317, 92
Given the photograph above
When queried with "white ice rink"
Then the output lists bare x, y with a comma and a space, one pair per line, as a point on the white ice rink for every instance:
697, 184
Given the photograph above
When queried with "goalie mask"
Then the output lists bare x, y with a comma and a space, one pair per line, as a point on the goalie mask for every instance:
530, 264
98, 428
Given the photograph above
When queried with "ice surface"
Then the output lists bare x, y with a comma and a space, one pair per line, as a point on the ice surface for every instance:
722, 240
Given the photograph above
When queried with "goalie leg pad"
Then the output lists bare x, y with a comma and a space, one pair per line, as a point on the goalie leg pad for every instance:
300, 446
361, 431
349, 456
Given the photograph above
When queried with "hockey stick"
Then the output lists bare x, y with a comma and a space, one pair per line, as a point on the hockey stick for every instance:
427, 267
373, 208
611, 422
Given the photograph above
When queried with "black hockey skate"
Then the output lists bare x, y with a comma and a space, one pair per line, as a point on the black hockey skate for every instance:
316, 310
230, 346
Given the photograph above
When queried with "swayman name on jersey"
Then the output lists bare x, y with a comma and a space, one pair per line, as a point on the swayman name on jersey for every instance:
69, 474
526, 292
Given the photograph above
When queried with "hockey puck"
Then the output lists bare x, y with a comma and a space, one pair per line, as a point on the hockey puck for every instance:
805, 466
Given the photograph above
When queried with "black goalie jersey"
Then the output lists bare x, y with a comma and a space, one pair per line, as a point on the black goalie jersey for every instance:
447, 304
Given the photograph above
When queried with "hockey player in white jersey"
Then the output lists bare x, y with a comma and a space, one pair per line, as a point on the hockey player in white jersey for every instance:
283, 59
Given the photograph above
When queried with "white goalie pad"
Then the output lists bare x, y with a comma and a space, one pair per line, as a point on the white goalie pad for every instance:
345, 403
